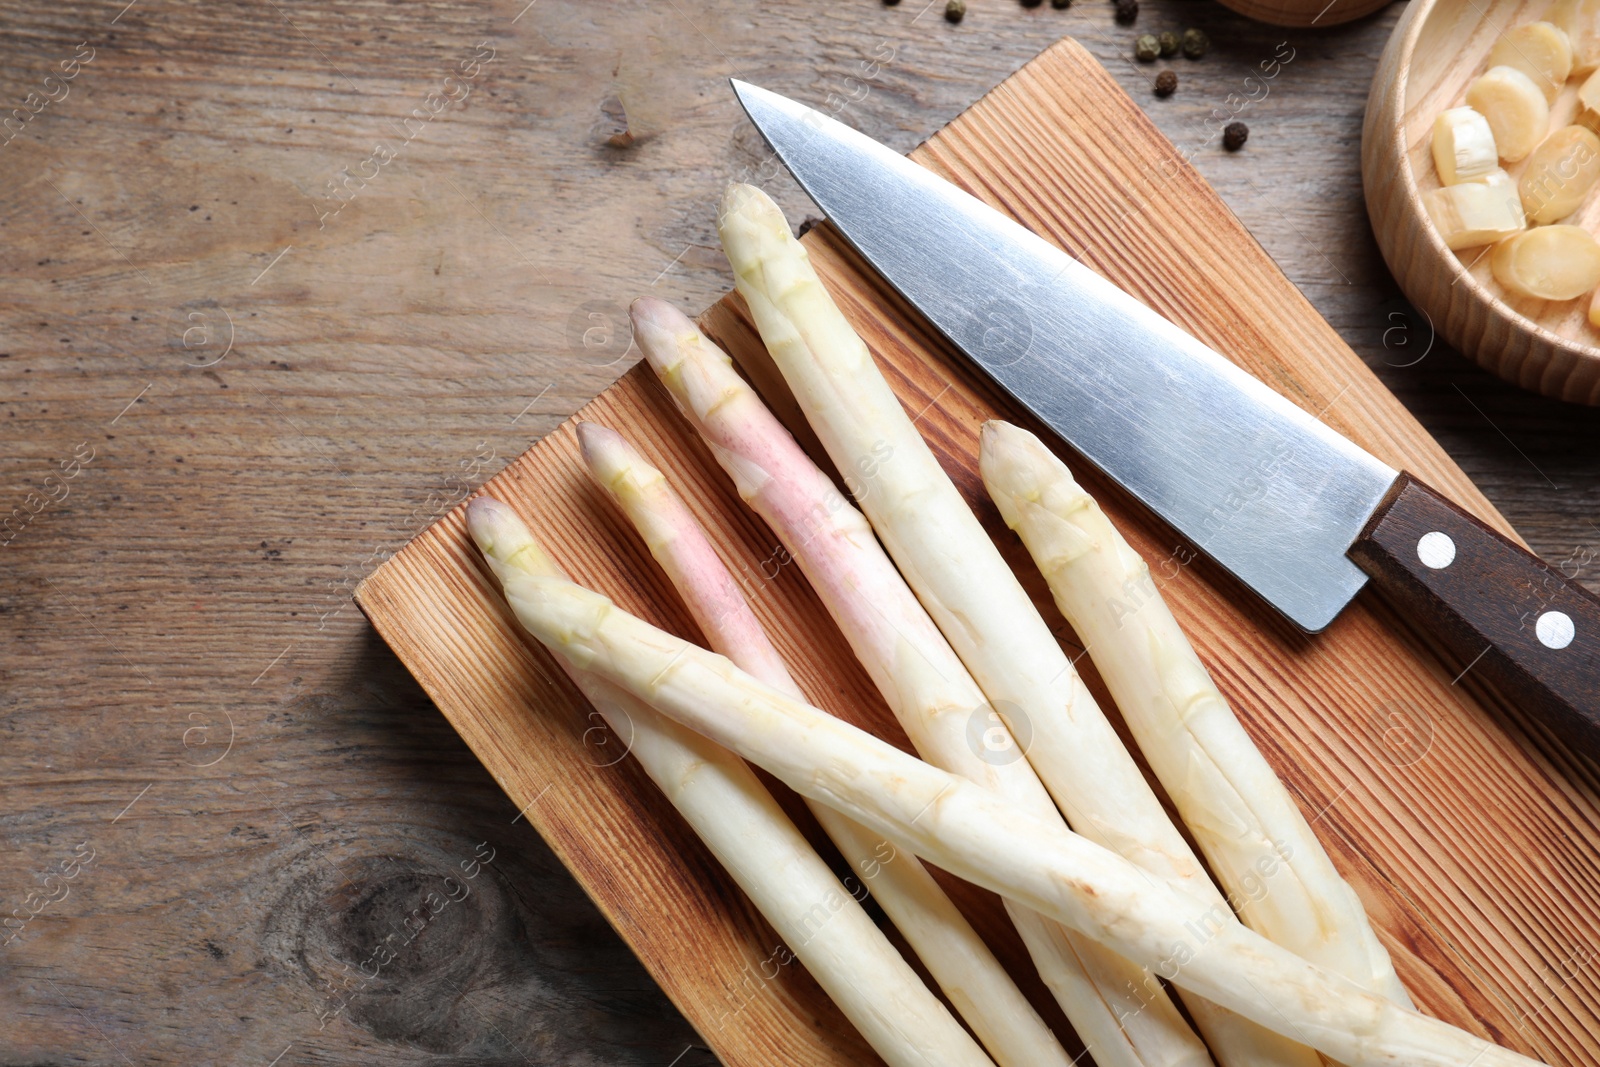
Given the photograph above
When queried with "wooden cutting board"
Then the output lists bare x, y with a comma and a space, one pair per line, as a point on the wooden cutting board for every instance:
1472, 838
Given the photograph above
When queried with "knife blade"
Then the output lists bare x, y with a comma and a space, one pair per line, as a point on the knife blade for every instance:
1217, 454
1301, 515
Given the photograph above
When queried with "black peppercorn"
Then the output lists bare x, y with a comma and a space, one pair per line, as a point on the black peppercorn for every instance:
1166, 83
1234, 135
1060, 4
1031, 3
1168, 42
1127, 12
1195, 43
954, 10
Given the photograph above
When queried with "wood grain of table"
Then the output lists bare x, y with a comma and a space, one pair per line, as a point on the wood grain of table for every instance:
230, 401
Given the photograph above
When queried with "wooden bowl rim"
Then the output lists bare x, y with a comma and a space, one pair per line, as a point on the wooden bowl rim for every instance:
1415, 18
1302, 14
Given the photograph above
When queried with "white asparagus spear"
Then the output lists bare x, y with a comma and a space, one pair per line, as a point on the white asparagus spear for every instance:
969, 831
955, 569
1277, 874
974, 981
1123, 1016
732, 812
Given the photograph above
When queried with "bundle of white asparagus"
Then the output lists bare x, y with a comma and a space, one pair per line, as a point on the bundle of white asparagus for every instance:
968, 973
1124, 1016
1108, 909
820, 921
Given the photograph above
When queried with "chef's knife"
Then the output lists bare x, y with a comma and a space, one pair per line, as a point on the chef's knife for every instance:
1301, 515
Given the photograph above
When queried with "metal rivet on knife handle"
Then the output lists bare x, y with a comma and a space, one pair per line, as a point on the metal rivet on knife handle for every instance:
1555, 629
1436, 550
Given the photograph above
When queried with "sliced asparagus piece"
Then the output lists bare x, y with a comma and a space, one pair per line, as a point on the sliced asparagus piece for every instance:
821, 923
1581, 21
1548, 263
1540, 50
949, 560
1477, 212
1277, 874
973, 980
975, 834
1123, 1015
1518, 113
1463, 146
1560, 174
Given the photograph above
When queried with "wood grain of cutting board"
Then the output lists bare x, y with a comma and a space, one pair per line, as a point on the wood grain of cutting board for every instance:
1473, 839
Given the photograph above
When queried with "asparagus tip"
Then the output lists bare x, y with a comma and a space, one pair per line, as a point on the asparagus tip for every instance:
613, 462
749, 203
501, 535
594, 439
1000, 439
505, 541
1014, 465
652, 309
734, 196
485, 517
990, 433
658, 326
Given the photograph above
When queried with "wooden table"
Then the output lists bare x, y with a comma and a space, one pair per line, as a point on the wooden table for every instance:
246, 354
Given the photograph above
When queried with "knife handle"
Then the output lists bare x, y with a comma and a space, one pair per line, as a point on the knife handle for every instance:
1502, 612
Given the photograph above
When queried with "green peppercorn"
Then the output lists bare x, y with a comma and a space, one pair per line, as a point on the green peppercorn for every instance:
1168, 42
1127, 12
954, 10
1234, 135
1195, 43
1146, 48
1166, 83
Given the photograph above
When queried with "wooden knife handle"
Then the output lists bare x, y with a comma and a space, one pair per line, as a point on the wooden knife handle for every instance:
1504, 613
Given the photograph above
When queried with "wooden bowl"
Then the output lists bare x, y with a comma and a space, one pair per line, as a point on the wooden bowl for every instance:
1438, 48
1305, 12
